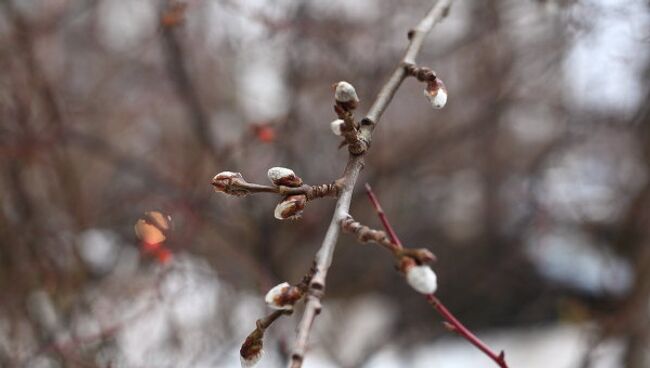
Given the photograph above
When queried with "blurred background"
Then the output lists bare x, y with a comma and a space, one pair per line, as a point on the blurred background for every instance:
531, 185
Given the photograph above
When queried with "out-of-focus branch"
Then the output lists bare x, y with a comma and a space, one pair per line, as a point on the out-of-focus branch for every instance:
185, 88
355, 164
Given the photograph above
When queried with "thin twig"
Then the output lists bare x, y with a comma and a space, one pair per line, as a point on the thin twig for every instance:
454, 323
239, 186
382, 217
460, 329
323, 258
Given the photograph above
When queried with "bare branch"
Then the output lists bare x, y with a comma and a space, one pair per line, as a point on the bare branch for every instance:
323, 258
453, 324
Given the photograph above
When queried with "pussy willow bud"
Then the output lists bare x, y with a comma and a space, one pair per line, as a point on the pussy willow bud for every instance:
284, 176
282, 296
336, 126
251, 360
230, 183
251, 350
346, 96
436, 93
152, 227
419, 277
291, 207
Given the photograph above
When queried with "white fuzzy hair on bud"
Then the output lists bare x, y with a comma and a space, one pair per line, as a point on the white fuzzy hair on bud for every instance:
274, 295
252, 360
221, 181
422, 279
345, 92
336, 126
436, 93
226, 175
278, 173
284, 176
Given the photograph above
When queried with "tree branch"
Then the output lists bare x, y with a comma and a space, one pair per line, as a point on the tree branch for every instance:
453, 323
355, 163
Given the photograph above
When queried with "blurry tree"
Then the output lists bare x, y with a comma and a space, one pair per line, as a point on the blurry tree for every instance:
531, 186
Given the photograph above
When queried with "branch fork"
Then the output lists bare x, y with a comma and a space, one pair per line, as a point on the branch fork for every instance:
285, 183
357, 136
423, 280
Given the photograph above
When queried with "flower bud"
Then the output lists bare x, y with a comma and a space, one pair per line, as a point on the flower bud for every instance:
283, 176
345, 95
336, 126
291, 207
228, 182
420, 277
282, 296
252, 359
436, 92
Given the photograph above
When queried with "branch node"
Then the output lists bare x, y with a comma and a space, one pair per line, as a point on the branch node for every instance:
366, 122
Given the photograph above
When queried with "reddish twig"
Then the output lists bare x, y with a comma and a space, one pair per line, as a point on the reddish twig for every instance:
382, 217
460, 329
453, 322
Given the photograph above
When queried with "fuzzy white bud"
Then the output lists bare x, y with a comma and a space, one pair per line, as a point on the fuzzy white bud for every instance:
436, 93
251, 360
422, 279
345, 92
222, 180
336, 126
284, 176
282, 296
291, 207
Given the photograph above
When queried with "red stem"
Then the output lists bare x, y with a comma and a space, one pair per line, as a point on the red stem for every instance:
382, 217
459, 328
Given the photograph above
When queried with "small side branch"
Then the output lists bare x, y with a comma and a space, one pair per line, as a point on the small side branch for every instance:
453, 323
233, 183
251, 350
286, 183
282, 298
365, 234
456, 326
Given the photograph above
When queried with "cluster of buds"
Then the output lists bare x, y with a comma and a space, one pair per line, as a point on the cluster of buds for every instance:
347, 100
152, 230
419, 276
285, 183
292, 205
283, 296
